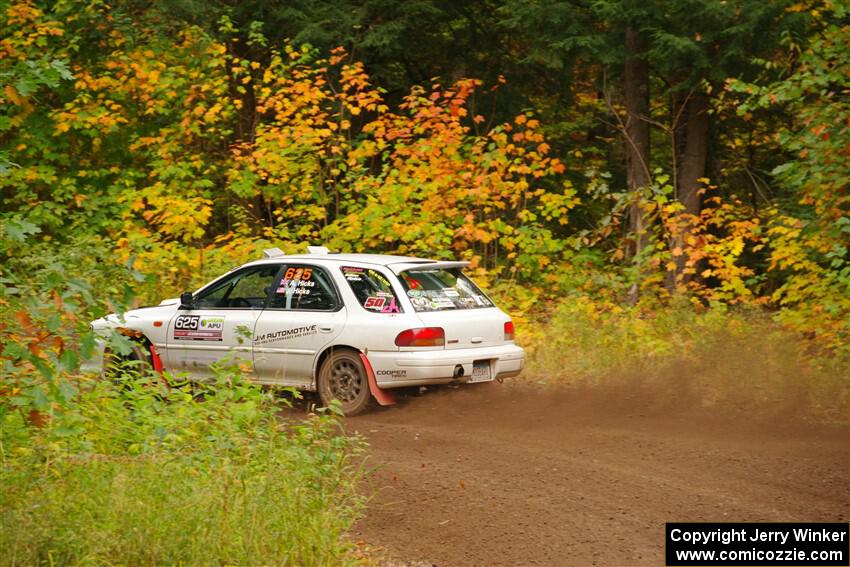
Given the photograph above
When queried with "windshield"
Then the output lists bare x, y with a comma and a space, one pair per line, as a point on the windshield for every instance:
440, 289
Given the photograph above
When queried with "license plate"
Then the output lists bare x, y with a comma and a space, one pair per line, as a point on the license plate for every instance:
481, 371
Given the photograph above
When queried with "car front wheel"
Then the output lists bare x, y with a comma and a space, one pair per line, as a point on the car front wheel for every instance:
343, 378
138, 361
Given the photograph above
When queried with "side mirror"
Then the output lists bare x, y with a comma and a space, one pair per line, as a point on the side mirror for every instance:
186, 300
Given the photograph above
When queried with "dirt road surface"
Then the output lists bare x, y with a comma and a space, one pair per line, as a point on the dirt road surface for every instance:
517, 475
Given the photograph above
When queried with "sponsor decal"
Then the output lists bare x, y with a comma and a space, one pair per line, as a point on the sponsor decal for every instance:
450, 292
442, 303
212, 323
414, 293
198, 328
391, 307
352, 273
412, 283
374, 302
392, 373
285, 334
378, 276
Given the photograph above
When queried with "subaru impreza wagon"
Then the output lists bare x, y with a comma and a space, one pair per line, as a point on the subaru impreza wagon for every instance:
350, 326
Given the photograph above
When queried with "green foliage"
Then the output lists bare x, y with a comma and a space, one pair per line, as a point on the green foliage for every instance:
148, 475
146, 148
131, 471
152, 476
810, 235
181, 138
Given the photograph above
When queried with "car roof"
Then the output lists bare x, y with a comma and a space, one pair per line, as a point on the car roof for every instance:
379, 259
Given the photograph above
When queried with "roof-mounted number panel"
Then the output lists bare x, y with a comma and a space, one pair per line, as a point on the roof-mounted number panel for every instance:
273, 253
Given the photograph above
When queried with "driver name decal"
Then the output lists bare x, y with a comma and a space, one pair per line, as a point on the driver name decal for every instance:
199, 328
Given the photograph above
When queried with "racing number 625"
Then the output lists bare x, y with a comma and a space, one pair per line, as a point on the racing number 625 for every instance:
298, 274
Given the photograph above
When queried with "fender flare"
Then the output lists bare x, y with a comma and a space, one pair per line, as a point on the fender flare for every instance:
136, 334
383, 397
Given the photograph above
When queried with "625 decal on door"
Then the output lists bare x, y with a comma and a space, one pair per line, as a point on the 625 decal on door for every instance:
198, 328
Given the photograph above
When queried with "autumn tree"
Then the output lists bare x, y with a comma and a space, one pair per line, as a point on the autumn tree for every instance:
810, 229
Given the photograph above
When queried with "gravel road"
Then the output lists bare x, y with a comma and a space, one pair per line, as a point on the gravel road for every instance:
510, 474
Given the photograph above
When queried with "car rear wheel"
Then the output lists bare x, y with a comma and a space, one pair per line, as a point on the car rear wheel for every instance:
343, 378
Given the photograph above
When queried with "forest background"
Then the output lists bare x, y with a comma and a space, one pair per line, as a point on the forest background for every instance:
635, 181
624, 152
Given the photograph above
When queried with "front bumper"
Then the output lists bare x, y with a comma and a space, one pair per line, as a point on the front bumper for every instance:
410, 368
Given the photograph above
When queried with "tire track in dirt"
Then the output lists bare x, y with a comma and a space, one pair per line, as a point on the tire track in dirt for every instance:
516, 475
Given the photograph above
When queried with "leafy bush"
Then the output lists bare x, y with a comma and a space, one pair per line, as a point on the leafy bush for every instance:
147, 475
131, 471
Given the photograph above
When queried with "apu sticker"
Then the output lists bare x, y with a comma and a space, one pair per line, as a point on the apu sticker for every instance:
198, 328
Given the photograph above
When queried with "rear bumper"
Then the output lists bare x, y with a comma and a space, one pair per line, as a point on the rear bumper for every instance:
399, 369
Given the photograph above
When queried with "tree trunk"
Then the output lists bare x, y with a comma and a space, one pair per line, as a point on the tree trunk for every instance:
247, 114
691, 168
636, 94
692, 163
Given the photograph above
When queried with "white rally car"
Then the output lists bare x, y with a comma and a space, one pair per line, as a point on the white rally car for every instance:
350, 326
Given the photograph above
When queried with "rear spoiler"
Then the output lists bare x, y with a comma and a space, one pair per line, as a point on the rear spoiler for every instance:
422, 266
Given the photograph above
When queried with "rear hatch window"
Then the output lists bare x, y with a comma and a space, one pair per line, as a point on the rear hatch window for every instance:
442, 290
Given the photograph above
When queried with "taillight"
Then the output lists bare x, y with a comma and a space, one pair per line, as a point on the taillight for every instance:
509, 331
422, 337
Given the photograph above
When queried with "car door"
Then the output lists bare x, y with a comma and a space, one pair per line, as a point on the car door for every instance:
304, 314
222, 320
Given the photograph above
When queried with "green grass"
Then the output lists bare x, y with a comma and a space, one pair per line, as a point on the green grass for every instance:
144, 476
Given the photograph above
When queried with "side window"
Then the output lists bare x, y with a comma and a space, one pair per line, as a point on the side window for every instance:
305, 288
372, 289
246, 289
